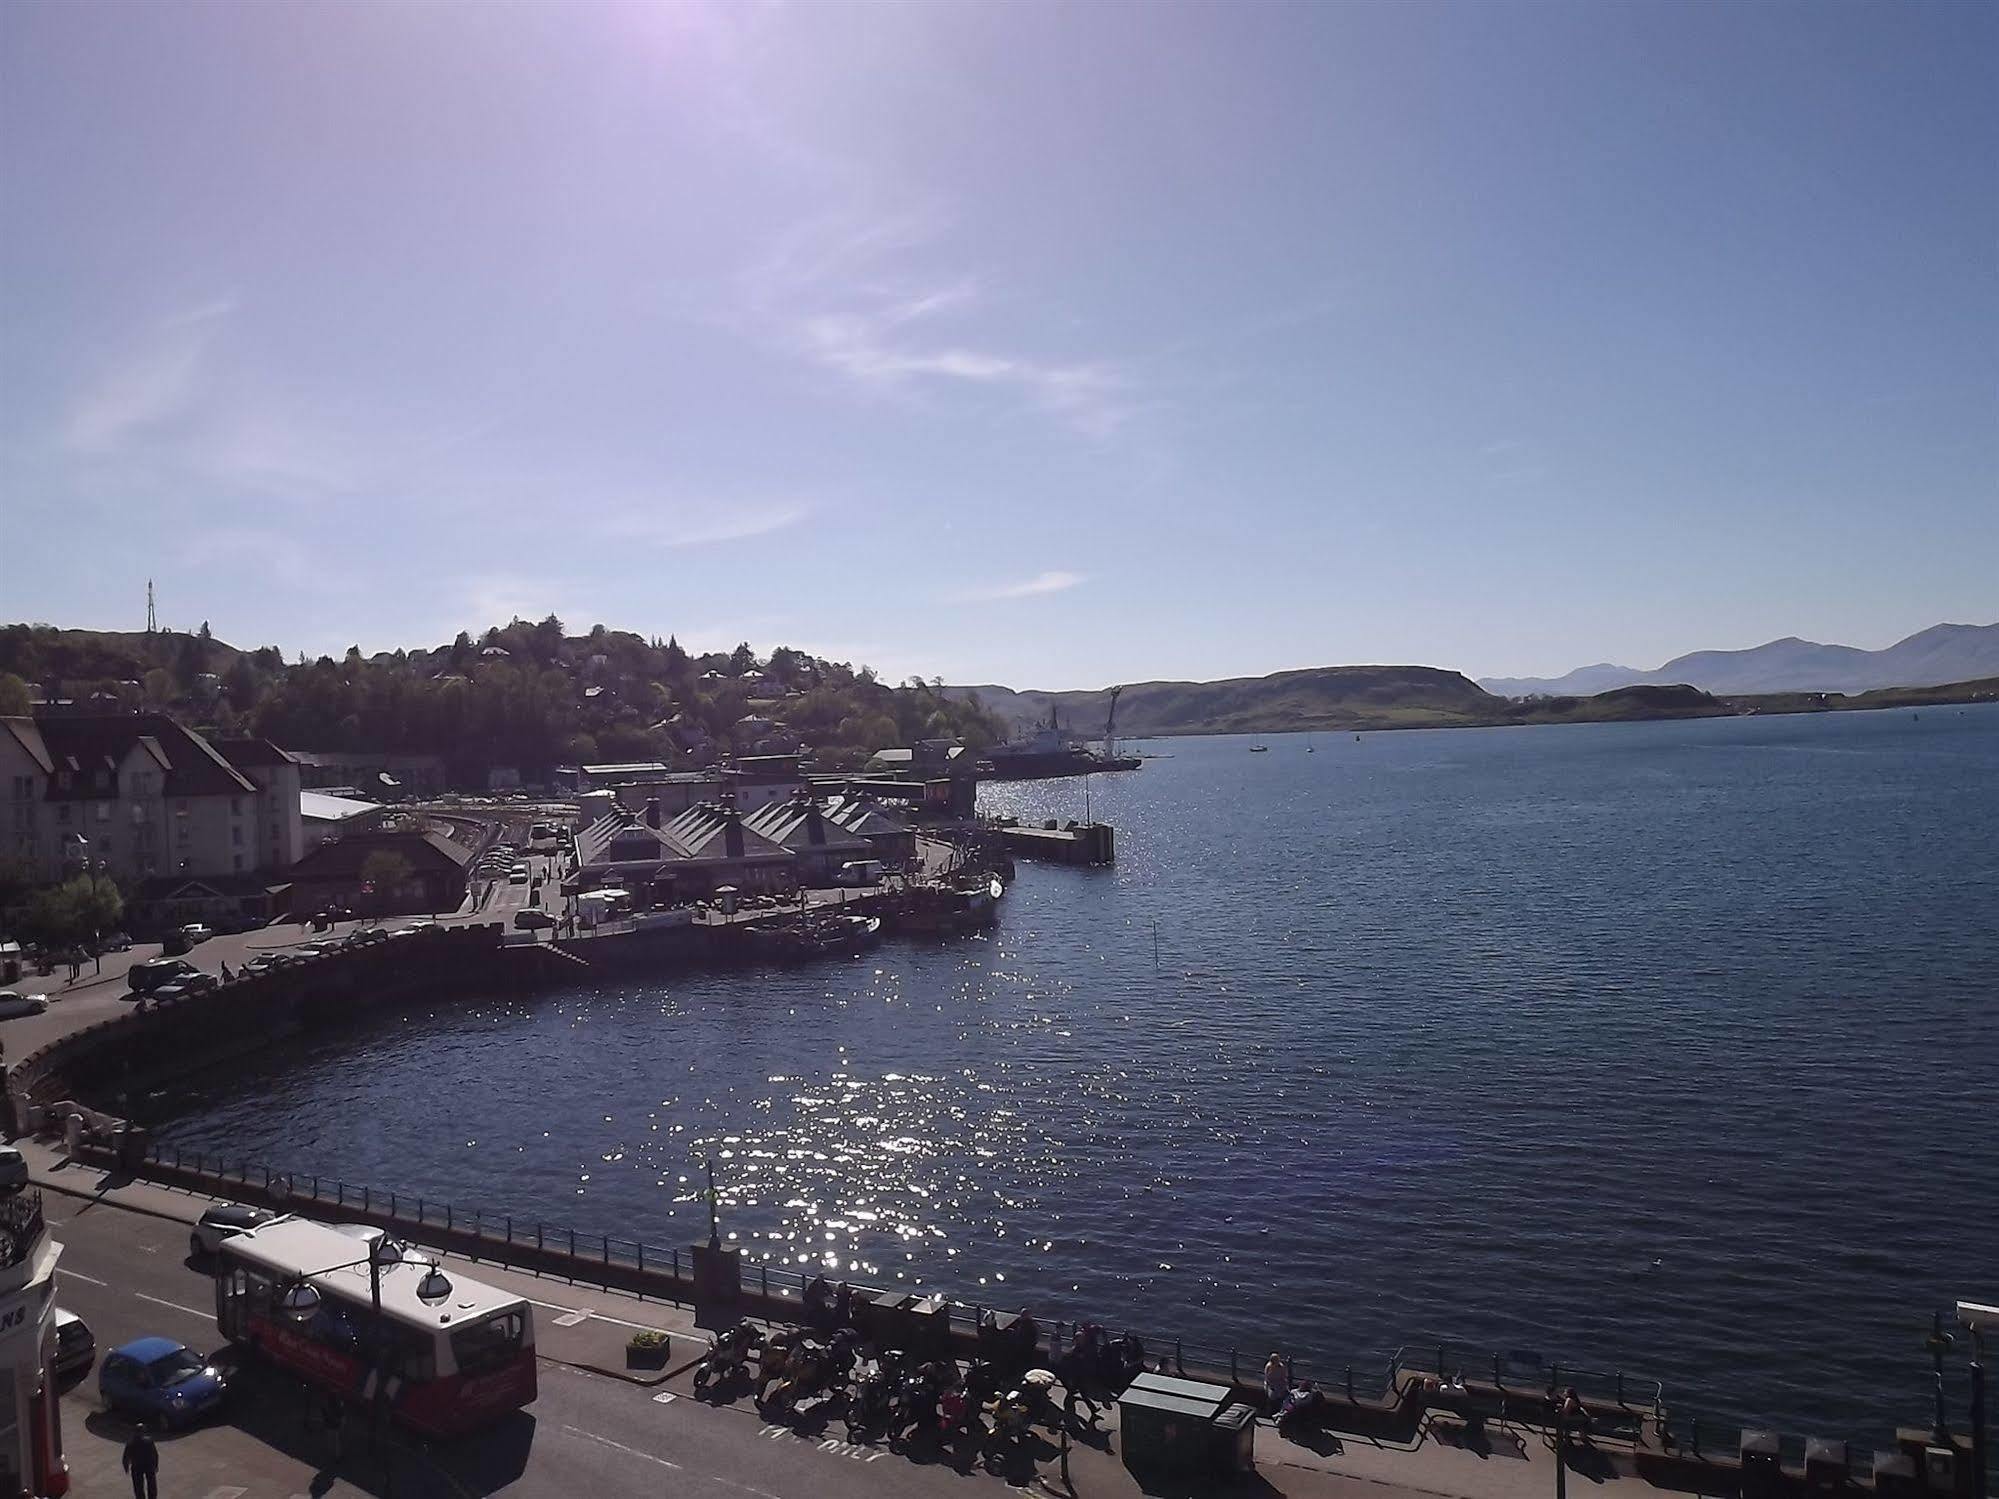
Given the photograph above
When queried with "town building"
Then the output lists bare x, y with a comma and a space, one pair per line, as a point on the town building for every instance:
382, 872
690, 856
326, 815
818, 845
31, 1460
140, 797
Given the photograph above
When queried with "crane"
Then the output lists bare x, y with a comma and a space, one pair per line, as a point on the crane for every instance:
1110, 726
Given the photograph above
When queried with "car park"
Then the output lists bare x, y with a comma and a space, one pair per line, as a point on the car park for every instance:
13, 1003
76, 1345
159, 1380
224, 1221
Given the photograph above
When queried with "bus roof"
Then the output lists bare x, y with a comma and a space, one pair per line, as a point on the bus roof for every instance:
297, 1248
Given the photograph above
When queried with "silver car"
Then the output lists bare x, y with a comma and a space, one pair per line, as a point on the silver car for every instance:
76, 1345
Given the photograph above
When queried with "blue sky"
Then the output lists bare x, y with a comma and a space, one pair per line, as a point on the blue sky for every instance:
1037, 344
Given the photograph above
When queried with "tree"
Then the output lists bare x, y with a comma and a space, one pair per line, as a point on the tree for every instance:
742, 659
676, 660
384, 872
15, 700
73, 912
159, 687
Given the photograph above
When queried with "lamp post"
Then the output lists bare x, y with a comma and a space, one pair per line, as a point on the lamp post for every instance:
714, 1221
303, 1299
1977, 1319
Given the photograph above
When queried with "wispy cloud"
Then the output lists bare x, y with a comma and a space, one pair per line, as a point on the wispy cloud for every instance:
149, 384
1040, 583
677, 528
838, 290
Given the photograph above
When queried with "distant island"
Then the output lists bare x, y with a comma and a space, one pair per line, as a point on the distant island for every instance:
1359, 698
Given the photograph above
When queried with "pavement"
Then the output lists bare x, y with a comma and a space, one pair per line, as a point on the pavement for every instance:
599, 1430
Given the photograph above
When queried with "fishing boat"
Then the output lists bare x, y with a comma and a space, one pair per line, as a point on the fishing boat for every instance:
1259, 749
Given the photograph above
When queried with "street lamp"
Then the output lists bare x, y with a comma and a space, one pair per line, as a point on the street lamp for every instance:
1978, 1319
301, 1301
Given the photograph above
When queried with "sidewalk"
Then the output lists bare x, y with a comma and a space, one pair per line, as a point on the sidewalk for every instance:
586, 1328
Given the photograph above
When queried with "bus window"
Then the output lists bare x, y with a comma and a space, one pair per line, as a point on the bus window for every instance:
488, 1344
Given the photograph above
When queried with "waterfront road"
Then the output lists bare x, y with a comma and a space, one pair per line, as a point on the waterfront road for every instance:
125, 1270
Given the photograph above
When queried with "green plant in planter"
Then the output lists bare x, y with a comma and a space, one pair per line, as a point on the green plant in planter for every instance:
646, 1349
646, 1340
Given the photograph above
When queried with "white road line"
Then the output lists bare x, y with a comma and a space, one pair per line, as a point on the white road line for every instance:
570, 1319
550, 1306
79, 1275
592, 1436
192, 1311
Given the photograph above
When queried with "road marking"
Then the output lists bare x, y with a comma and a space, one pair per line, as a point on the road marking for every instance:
550, 1306
79, 1275
229, 1491
192, 1311
572, 1318
664, 1397
620, 1446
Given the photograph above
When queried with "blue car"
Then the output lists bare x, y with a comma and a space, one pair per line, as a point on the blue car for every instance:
160, 1381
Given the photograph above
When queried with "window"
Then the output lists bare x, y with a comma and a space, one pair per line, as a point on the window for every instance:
235, 806
104, 811
62, 814
239, 863
236, 835
24, 787
488, 1344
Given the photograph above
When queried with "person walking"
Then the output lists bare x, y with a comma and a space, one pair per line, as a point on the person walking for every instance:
335, 1420
142, 1461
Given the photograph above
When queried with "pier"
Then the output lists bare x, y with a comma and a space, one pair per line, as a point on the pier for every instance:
1093, 843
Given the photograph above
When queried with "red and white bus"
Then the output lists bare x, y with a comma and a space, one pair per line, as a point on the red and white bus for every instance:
453, 1354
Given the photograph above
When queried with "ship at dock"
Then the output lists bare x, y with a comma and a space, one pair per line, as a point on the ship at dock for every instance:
1049, 752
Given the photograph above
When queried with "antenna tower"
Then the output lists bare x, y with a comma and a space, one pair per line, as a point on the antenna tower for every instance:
152, 619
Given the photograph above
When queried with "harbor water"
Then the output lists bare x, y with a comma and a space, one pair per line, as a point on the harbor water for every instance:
1671, 1048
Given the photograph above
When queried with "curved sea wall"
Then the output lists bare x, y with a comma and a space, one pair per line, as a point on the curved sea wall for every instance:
96, 1070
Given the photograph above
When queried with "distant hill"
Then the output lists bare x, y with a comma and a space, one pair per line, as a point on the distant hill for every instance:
1938, 655
1325, 697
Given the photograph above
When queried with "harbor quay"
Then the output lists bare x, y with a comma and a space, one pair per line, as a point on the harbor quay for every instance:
1437, 1419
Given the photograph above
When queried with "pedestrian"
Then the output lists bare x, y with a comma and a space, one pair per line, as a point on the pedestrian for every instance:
336, 1420
1276, 1382
142, 1461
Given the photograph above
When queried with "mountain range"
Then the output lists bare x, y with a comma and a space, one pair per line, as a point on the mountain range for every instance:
1942, 653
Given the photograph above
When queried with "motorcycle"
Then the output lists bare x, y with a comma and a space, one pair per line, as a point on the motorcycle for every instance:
728, 1355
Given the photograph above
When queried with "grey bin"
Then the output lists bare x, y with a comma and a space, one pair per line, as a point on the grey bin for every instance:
1185, 1425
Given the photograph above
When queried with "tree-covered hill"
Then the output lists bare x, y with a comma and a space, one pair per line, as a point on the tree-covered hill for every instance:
525, 695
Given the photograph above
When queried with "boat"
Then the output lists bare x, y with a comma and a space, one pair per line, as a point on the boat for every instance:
1259, 749
814, 935
1047, 753
960, 907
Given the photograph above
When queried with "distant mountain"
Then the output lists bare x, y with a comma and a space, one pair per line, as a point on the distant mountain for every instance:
1940, 654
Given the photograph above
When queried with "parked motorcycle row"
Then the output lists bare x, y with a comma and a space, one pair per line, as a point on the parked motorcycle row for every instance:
993, 1408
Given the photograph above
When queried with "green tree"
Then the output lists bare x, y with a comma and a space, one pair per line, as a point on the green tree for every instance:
384, 872
15, 700
742, 659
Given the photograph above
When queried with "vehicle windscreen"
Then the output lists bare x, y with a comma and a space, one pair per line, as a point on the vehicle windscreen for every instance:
165, 1372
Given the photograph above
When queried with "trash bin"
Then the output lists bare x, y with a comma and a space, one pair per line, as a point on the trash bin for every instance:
1184, 1425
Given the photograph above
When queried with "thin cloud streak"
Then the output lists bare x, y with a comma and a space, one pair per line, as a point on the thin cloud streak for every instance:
677, 530
1052, 581
149, 385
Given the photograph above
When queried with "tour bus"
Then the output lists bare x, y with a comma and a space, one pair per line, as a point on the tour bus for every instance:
455, 1354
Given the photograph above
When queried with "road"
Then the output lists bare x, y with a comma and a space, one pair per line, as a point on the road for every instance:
127, 1275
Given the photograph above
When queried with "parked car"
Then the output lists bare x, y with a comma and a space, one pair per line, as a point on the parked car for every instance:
263, 963
161, 1381
151, 974
368, 1237
225, 1221
116, 942
13, 1169
13, 1002
533, 920
517, 876
76, 1345
174, 944
195, 932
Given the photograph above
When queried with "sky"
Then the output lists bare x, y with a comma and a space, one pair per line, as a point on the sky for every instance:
1046, 345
